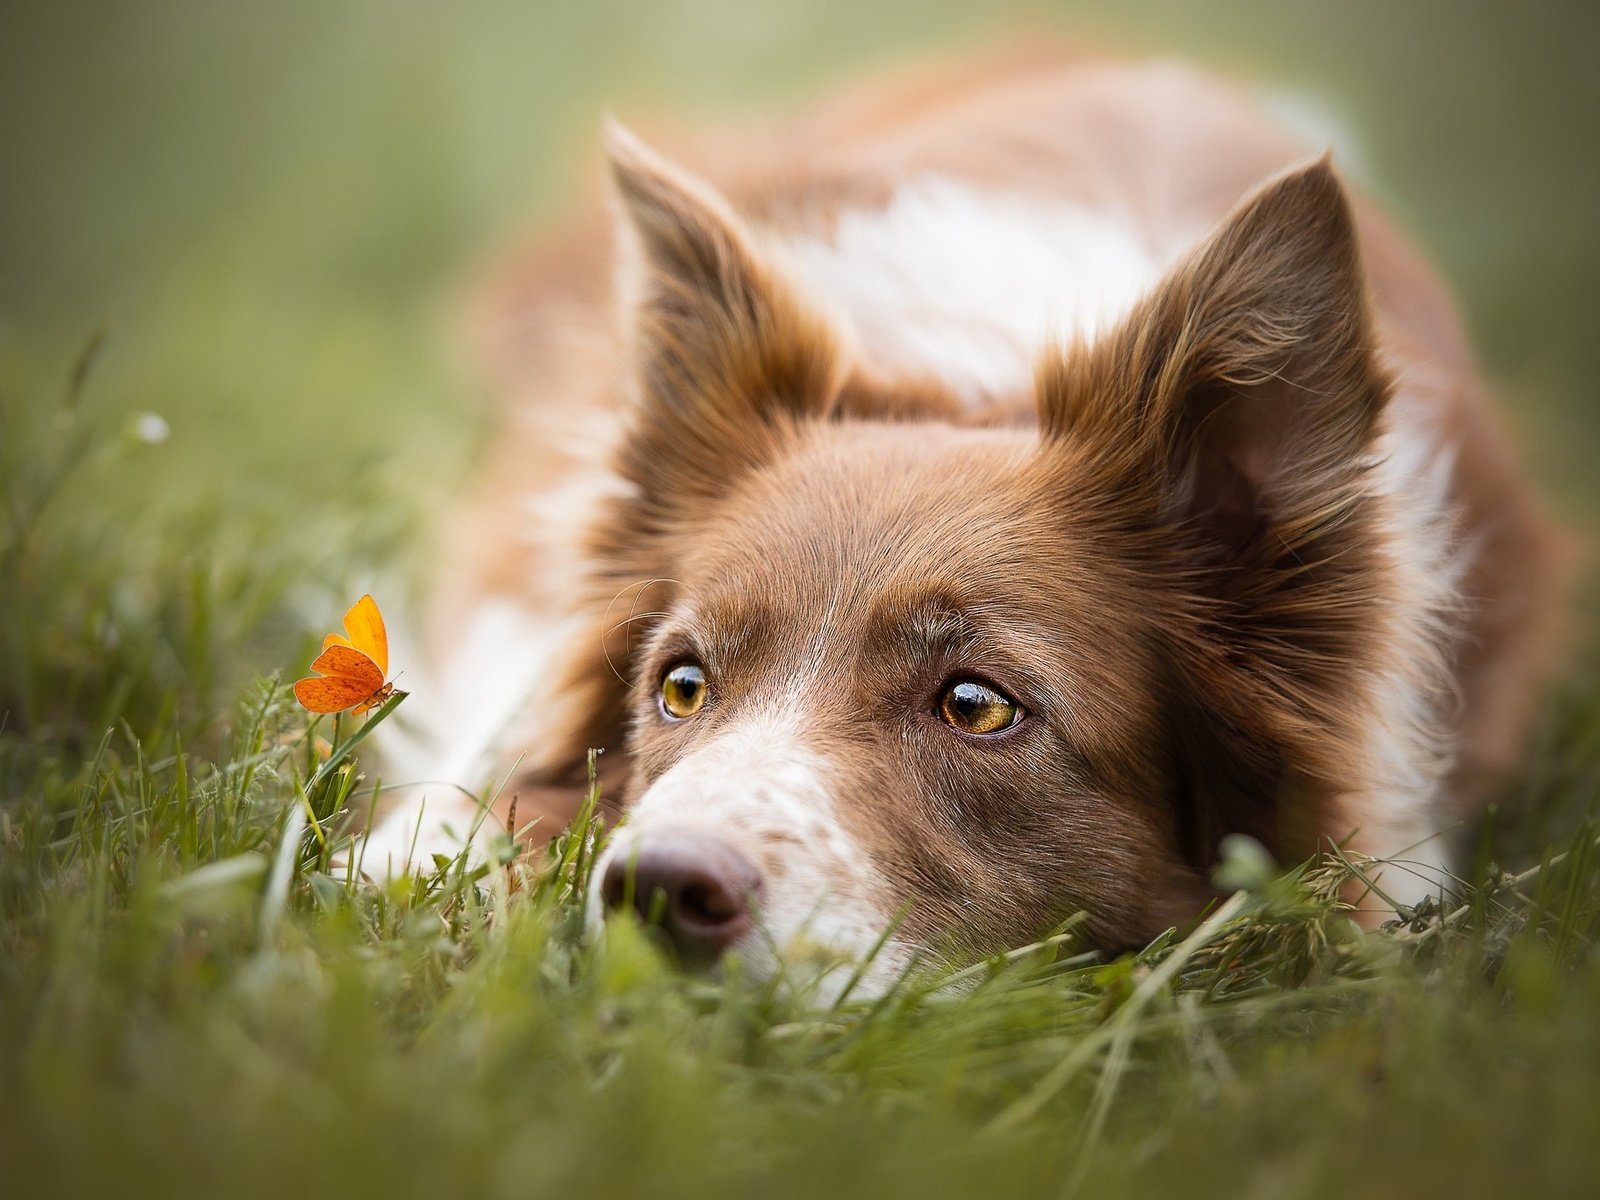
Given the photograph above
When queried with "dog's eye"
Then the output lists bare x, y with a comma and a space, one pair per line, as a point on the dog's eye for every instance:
683, 690
974, 707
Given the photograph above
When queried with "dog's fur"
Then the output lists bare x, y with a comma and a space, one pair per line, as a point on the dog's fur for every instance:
1080, 379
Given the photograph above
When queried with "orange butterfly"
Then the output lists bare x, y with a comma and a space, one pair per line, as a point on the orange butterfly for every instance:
350, 669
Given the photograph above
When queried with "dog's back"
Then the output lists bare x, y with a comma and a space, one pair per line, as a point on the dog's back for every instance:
951, 236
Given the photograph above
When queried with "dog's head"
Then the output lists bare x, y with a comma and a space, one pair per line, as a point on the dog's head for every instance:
896, 664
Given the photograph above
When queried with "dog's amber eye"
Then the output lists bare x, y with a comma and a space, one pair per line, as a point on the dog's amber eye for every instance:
683, 690
974, 707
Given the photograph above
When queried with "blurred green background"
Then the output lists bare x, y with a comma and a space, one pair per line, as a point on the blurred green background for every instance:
278, 208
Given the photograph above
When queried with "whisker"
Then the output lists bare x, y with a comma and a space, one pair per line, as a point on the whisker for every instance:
644, 616
633, 615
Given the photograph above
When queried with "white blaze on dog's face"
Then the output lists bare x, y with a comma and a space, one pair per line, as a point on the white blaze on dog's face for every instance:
987, 671
756, 784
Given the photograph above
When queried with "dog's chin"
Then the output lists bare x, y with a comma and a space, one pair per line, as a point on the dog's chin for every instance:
821, 974
814, 974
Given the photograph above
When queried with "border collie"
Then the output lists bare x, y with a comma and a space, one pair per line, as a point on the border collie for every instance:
966, 505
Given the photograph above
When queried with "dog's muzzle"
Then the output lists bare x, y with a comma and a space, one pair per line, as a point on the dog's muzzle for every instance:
695, 887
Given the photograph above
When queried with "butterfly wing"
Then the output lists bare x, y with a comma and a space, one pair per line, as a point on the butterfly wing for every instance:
348, 679
328, 695
364, 626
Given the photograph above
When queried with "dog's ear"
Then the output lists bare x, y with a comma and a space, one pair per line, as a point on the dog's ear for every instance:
1244, 387
1232, 416
727, 364
728, 359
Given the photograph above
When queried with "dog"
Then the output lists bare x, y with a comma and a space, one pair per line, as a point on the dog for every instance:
966, 505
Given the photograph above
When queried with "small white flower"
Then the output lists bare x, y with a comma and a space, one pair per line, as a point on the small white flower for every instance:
151, 428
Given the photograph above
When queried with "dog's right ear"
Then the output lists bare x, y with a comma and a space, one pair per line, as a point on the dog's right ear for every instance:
728, 359
727, 365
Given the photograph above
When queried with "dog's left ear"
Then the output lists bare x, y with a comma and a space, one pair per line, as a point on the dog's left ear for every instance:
728, 358
1244, 388
1233, 414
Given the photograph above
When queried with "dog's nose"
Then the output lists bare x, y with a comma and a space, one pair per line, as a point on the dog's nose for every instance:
700, 889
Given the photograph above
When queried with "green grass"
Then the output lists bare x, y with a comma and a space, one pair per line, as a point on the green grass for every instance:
196, 1000
270, 211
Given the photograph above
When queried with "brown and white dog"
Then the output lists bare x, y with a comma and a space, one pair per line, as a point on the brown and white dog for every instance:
967, 505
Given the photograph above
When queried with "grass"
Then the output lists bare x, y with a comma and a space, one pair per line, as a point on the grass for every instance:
266, 210
196, 1000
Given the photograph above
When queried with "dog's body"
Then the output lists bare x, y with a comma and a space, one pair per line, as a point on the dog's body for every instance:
973, 504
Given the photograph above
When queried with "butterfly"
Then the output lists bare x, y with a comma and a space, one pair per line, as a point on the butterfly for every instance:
351, 669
